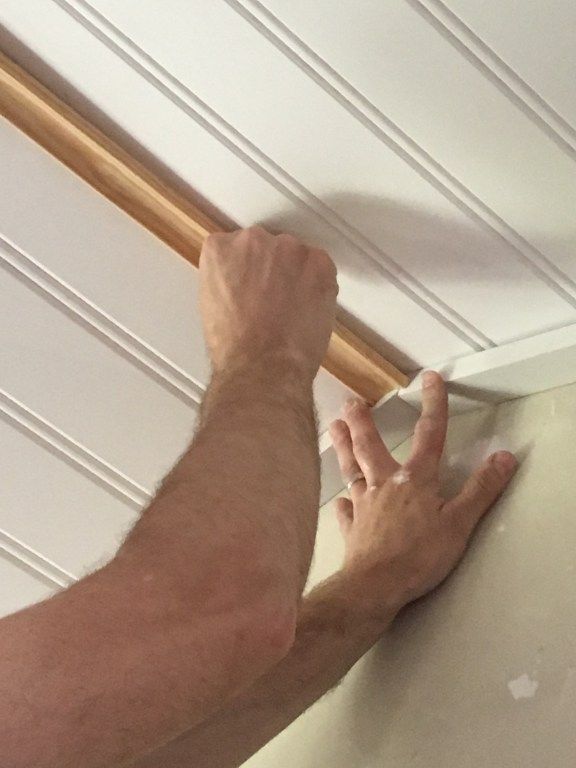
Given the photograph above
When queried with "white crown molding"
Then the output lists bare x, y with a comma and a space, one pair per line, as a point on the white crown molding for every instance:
493, 376
518, 369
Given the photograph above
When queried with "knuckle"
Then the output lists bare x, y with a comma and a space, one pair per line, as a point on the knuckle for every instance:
365, 442
349, 468
256, 231
325, 264
213, 240
289, 241
287, 237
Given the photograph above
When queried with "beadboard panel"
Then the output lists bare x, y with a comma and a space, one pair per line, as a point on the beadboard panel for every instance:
52, 508
406, 218
534, 39
76, 380
207, 155
91, 245
423, 83
19, 587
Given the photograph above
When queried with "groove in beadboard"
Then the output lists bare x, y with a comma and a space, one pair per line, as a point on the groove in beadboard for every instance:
487, 61
183, 98
75, 454
30, 560
381, 126
99, 323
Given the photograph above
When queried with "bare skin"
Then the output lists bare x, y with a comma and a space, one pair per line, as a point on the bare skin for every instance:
402, 539
202, 598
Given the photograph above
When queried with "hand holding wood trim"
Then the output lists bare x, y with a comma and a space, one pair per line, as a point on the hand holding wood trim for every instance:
128, 184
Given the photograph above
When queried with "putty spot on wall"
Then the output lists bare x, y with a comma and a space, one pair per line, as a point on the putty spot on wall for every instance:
524, 687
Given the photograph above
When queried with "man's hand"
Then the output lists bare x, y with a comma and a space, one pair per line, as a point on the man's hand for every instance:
266, 297
402, 537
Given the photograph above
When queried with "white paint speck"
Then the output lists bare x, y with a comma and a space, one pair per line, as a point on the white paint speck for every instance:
501, 528
523, 687
401, 477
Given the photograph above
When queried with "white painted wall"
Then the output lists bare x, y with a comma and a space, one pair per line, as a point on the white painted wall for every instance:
436, 692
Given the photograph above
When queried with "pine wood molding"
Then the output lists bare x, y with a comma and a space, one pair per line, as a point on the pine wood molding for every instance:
128, 184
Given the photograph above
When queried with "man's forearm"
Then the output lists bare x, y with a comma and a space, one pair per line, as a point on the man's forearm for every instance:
333, 633
199, 602
247, 490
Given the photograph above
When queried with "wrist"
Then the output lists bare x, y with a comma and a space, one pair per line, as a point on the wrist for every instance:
275, 371
365, 610
370, 599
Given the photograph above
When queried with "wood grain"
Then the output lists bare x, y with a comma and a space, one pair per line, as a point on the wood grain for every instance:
128, 184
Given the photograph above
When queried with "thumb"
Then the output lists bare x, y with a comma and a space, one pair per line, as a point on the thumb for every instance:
484, 486
345, 514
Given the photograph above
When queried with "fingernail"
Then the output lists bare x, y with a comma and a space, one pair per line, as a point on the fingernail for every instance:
505, 463
429, 378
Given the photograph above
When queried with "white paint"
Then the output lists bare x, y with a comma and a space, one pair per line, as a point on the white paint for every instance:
500, 528
401, 477
523, 687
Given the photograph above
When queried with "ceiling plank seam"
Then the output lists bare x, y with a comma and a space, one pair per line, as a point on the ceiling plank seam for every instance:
100, 324
28, 559
487, 61
74, 453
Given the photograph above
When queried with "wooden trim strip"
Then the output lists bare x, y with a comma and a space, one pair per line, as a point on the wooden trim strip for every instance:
128, 184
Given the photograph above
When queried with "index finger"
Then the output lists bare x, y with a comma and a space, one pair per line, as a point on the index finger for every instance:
430, 431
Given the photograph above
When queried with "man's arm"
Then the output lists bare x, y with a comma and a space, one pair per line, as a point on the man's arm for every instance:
402, 539
332, 634
202, 597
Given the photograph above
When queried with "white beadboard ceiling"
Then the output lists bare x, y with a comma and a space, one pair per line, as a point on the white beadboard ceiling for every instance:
429, 146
